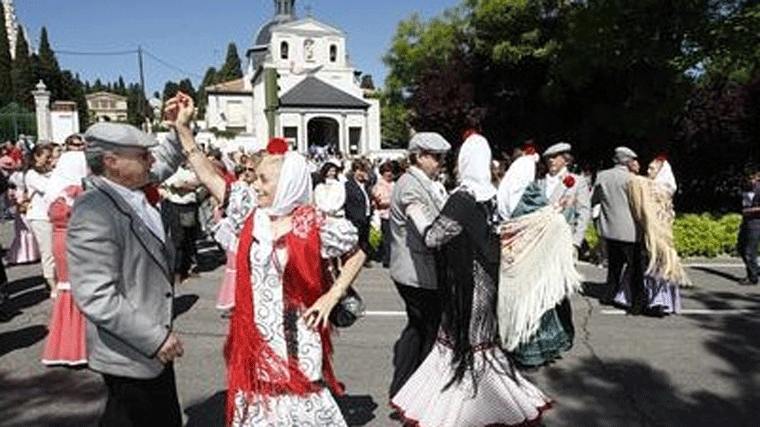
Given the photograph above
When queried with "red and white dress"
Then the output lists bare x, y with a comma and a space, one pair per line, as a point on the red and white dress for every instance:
279, 370
66, 338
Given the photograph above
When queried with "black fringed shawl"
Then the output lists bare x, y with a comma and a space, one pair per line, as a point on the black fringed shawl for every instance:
476, 242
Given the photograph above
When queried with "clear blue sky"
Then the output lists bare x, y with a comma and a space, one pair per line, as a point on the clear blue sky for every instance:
192, 36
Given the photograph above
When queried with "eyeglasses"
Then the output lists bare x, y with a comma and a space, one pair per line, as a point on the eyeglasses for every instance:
143, 155
249, 169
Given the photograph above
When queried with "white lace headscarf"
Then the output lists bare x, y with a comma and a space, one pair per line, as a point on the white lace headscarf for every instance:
69, 170
666, 178
474, 167
293, 190
517, 178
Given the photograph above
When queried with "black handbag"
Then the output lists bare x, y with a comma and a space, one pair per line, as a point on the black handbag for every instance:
349, 308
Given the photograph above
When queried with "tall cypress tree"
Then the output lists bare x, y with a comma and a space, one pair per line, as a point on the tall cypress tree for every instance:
6, 82
232, 68
22, 73
48, 69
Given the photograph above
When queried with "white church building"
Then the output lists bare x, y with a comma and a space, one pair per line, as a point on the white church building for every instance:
298, 84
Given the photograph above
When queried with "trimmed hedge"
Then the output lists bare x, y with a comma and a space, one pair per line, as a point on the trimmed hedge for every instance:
703, 235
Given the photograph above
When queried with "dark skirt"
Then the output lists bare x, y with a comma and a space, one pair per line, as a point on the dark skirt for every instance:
554, 335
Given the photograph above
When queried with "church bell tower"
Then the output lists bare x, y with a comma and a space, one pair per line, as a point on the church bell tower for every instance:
286, 10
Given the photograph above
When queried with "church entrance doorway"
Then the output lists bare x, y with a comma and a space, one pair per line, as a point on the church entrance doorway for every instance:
323, 135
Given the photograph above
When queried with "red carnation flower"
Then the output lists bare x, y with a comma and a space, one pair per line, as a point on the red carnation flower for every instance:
569, 181
277, 146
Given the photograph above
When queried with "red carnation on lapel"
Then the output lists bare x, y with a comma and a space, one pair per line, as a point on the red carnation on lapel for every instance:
569, 181
277, 146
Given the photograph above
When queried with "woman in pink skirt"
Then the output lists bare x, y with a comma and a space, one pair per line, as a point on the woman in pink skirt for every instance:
240, 203
23, 249
65, 343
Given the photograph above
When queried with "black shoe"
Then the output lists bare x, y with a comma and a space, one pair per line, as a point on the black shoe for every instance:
747, 282
657, 311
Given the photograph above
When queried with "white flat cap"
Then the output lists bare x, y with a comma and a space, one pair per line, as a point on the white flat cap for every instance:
624, 154
429, 141
558, 148
119, 135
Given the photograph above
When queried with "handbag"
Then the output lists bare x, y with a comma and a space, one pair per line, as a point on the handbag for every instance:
349, 308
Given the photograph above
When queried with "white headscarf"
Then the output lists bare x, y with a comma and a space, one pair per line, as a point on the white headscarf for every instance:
666, 178
474, 167
293, 189
519, 175
70, 169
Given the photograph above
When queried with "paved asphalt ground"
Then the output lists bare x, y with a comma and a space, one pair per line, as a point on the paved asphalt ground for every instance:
700, 368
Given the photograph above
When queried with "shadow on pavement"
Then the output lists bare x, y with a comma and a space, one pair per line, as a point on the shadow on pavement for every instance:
596, 290
21, 338
20, 296
209, 413
183, 303
719, 273
59, 397
628, 393
357, 410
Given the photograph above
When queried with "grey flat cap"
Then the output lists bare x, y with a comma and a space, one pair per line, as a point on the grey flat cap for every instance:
624, 154
429, 141
558, 148
118, 135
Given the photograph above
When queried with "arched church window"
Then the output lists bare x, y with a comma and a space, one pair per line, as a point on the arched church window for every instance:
284, 50
333, 53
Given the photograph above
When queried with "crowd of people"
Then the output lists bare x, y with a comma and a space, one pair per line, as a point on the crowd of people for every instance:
485, 270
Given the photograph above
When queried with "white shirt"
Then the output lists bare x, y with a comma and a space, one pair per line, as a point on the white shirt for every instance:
36, 186
147, 213
552, 181
182, 177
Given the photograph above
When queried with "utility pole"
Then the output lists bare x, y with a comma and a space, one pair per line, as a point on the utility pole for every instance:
140, 108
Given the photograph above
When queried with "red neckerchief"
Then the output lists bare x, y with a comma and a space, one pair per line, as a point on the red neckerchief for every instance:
249, 357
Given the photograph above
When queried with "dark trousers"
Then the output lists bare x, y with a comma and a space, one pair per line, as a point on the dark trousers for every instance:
423, 311
625, 268
747, 245
136, 402
181, 222
385, 227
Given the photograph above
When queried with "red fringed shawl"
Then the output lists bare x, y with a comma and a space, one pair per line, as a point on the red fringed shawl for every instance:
252, 365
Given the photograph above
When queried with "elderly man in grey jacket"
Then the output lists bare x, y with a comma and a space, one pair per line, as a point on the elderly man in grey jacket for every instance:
120, 262
416, 201
619, 230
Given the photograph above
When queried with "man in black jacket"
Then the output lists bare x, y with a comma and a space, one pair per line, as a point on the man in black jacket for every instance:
358, 207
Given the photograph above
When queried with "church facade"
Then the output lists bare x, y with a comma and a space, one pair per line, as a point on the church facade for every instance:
300, 85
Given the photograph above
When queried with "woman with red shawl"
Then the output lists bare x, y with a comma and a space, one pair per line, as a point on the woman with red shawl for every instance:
278, 350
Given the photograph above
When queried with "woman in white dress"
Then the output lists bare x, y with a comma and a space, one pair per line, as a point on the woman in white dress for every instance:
37, 181
278, 350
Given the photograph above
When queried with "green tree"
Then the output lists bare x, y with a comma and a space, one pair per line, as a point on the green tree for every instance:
170, 89
98, 86
6, 82
22, 73
210, 78
48, 69
186, 86
232, 68
138, 109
